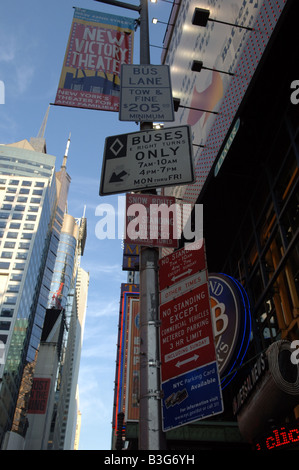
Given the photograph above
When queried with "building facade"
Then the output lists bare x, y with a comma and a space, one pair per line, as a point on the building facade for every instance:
245, 143
27, 211
43, 302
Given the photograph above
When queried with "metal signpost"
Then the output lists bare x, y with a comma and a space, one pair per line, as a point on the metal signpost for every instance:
189, 370
145, 93
122, 174
146, 160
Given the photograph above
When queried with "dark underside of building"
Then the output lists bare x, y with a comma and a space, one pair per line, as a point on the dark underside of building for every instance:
251, 208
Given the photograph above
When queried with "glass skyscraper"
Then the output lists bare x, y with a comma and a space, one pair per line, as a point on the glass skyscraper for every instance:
32, 206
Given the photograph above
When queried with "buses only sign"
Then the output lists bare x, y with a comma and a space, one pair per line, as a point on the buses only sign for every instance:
147, 159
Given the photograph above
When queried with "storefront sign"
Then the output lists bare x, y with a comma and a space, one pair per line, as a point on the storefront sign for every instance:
249, 383
131, 257
232, 323
227, 147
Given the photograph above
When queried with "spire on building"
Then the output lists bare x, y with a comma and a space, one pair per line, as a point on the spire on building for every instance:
41, 133
39, 142
66, 152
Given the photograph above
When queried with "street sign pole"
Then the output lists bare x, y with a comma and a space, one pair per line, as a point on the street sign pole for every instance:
151, 436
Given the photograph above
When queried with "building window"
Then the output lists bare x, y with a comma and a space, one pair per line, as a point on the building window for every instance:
12, 234
7, 312
16, 216
24, 246
4, 325
6, 254
35, 200
30, 217
6, 207
33, 209
9, 244
16, 277
10, 300
3, 338
21, 255
28, 226
26, 183
13, 288
26, 236
22, 199
19, 266
24, 191
4, 265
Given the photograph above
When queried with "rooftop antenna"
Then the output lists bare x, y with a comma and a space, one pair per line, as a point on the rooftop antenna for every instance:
66, 152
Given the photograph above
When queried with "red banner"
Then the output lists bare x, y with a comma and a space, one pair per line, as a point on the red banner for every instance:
39, 396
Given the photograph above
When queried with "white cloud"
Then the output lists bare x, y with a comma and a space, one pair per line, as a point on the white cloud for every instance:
23, 77
8, 48
97, 308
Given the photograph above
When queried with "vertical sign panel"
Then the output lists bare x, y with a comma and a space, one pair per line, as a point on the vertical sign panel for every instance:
189, 370
98, 44
133, 374
39, 396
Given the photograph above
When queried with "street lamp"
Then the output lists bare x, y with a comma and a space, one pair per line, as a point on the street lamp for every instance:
197, 66
155, 21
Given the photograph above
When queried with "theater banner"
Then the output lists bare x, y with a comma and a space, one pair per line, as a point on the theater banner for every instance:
98, 44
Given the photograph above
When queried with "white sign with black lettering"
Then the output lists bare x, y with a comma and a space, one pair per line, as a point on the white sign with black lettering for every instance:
145, 93
147, 159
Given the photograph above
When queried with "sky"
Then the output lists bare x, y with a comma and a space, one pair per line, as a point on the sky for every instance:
33, 39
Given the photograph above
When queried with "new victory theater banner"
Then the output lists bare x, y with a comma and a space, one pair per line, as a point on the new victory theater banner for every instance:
98, 44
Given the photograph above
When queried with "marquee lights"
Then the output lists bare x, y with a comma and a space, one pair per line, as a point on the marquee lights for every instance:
278, 437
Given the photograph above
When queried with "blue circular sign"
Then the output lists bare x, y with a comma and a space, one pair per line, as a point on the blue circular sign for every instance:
232, 323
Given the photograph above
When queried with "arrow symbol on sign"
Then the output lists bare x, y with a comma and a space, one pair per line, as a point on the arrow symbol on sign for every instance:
174, 278
181, 363
117, 178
